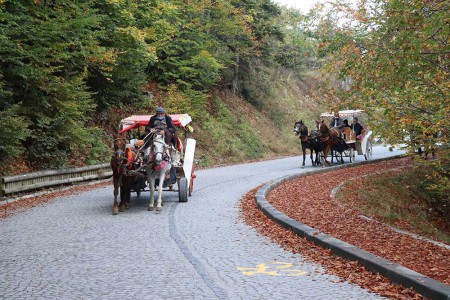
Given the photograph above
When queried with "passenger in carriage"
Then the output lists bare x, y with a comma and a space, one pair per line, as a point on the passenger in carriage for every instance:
336, 121
357, 128
344, 131
346, 124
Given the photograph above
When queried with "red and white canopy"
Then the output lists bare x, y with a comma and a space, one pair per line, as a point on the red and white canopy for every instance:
179, 120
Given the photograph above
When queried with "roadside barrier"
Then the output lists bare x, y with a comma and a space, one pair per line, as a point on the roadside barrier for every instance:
44, 179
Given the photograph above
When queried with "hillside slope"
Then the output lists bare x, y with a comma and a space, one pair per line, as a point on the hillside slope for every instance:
238, 130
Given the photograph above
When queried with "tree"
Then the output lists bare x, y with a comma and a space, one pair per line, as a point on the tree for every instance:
130, 32
43, 58
396, 54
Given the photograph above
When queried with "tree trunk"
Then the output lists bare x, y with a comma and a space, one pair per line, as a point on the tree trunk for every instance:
235, 84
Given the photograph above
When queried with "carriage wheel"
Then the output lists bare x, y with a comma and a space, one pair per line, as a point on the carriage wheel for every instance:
320, 157
191, 182
352, 155
182, 190
368, 154
337, 155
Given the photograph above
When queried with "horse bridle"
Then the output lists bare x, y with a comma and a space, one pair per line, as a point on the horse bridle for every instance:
119, 154
301, 130
163, 150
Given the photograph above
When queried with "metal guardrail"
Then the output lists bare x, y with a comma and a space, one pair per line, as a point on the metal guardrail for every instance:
43, 179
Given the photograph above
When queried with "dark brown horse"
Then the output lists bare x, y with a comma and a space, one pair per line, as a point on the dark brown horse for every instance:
331, 138
121, 165
308, 141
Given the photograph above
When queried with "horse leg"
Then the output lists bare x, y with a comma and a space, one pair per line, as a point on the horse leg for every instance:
160, 187
311, 156
122, 192
324, 158
304, 156
325, 155
115, 209
127, 187
151, 183
332, 155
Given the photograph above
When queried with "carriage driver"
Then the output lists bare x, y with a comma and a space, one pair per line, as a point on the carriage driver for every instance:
163, 122
337, 122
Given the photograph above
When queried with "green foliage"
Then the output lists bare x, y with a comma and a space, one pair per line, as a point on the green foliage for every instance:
297, 50
44, 63
12, 133
97, 147
395, 54
178, 101
127, 43
233, 140
395, 58
72, 66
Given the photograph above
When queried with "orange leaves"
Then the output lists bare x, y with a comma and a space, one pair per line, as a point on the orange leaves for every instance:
307, 200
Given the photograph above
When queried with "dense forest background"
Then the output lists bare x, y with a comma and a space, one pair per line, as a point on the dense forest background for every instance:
244, 70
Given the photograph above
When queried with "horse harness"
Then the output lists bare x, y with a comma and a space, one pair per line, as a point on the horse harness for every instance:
304, 133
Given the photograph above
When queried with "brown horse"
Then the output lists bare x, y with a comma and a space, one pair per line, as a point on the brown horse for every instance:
330, 138
121, 164
308, 141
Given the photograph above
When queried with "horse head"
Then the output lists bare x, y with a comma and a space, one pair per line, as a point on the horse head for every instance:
119, 149
322, 127
159, 148
301, 129
298, 126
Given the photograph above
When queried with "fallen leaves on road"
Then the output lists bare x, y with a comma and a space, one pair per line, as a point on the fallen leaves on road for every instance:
307, 199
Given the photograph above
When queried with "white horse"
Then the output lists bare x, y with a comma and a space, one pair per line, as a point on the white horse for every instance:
158, 164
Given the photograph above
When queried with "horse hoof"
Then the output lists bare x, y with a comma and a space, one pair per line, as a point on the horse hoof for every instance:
159, 209
303, 167
122, 208
151, 208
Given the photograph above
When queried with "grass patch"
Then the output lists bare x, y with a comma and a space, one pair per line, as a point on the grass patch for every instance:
399, 198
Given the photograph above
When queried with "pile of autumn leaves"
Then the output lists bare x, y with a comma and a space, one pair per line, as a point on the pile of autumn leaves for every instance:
308, 200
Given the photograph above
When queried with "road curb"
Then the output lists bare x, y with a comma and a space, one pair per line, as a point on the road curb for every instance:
424, 285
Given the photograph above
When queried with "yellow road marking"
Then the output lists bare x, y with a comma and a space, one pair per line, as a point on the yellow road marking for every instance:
273, 269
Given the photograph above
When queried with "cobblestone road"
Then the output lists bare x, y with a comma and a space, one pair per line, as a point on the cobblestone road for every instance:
73, 248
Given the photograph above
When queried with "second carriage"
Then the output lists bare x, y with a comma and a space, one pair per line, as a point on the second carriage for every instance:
361, 145
183, 171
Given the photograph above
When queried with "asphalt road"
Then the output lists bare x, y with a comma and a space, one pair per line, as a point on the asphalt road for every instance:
74, 248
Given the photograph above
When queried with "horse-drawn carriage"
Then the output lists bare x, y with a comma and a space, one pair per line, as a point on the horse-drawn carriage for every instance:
342, 143
148, 160
360, 144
